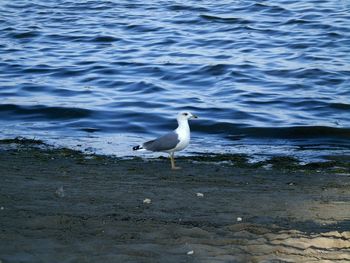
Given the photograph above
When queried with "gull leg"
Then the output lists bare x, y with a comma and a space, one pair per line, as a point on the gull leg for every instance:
172, 160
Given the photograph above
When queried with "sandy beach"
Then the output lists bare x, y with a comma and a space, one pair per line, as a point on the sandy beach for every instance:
58, 205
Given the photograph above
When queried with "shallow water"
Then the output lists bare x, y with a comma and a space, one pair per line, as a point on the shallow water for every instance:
264, 77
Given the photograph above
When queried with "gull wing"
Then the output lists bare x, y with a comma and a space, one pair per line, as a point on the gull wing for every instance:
163, 143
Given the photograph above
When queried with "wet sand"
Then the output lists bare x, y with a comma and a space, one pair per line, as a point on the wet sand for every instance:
57, 205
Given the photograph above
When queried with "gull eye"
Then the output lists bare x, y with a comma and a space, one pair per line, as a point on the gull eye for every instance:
185, 114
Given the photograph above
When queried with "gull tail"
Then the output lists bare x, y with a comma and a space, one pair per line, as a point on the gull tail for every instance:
138, 148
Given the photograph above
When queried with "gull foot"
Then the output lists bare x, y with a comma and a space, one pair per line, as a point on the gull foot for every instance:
176, 168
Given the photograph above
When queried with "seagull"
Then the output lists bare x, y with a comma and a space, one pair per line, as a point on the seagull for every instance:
171, 142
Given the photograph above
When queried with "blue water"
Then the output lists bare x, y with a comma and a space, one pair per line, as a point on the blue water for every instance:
265, 77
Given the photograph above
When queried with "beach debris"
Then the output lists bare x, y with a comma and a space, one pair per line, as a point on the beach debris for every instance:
267, 166
191, 252
147, 201
200, 195
60, 192
239, 219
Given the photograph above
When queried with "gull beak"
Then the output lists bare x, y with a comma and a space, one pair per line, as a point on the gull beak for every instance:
194, 116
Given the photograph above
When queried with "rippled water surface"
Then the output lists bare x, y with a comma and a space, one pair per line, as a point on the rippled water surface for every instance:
265, 77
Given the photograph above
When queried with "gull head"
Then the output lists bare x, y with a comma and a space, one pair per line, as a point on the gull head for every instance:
186, 116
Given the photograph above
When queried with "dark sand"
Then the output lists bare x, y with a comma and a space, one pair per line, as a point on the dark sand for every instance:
58, 205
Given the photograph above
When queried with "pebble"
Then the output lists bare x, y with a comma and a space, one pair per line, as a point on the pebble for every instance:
190, 252
200, 194
147, 201
60, 192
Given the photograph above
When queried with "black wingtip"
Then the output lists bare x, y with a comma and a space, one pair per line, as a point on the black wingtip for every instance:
135, 148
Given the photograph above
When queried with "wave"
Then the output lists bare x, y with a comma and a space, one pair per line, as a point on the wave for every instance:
308, 133
41, 112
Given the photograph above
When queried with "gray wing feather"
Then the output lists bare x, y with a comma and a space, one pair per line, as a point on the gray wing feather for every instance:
163, 143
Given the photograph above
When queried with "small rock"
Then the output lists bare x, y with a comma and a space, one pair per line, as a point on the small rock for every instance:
191, 252
147, 201
60, 192
200, 194
239, 219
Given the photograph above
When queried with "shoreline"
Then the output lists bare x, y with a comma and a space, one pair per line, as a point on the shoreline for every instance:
60, 205
239, 159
